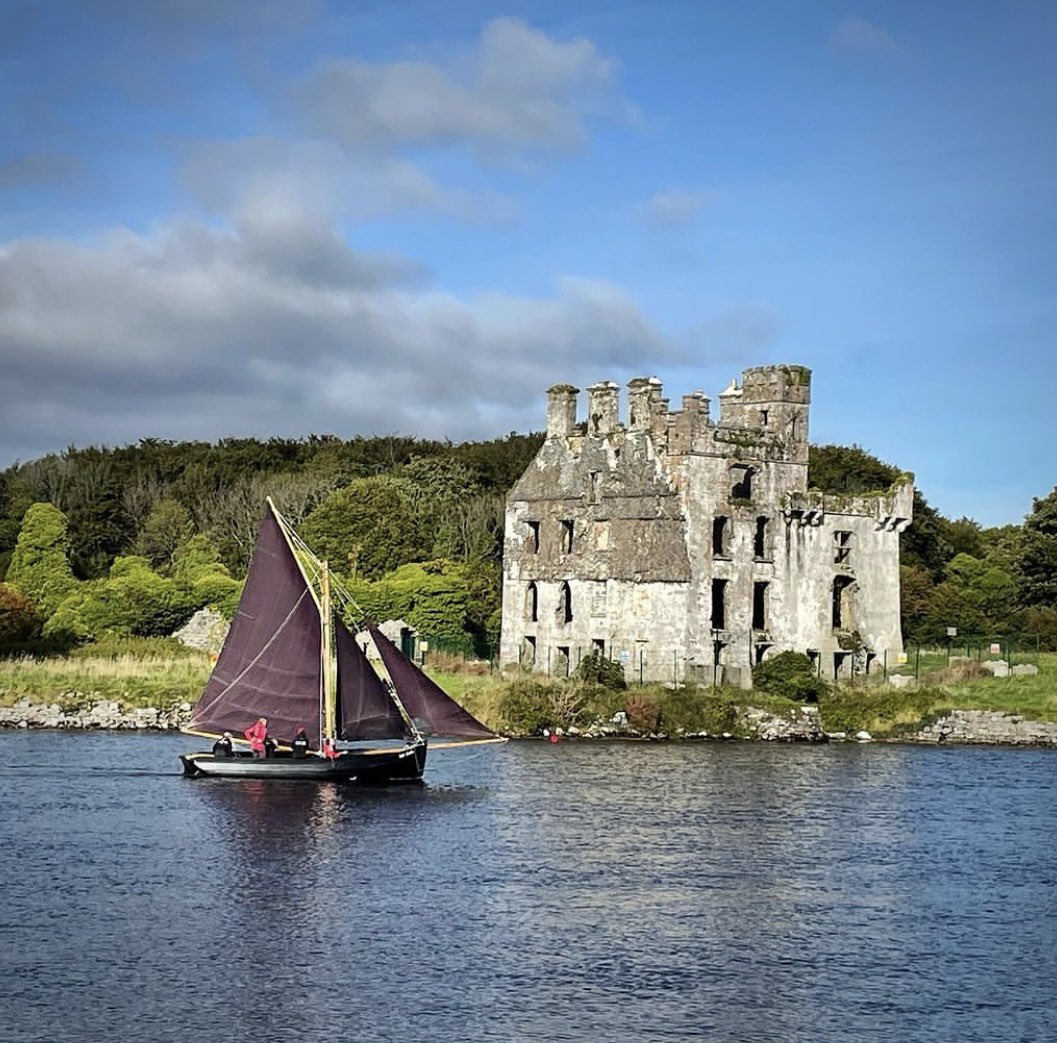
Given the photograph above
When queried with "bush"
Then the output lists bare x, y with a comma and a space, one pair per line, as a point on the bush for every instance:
644, 715
790, 675
529, 707
19, 621
599, 669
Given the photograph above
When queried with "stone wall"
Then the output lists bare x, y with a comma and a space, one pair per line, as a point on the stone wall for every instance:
989, 727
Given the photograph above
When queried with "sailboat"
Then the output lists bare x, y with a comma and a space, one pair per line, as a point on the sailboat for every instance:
289, 657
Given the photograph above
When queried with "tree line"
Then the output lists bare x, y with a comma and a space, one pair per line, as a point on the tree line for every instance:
133, 540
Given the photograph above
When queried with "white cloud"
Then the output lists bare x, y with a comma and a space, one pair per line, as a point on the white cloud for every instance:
857, 35
520, 89
278, 327
675, 207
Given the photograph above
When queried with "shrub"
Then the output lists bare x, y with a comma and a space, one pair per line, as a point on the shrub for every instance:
18, 617
528, 707
644, 715
790, 675
599, 669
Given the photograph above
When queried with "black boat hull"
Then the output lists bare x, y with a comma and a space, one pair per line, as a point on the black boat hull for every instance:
369, 767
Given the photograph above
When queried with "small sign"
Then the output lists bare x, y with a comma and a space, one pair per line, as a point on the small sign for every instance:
902, 659
424, 645
952, 631
996, 648
625, 656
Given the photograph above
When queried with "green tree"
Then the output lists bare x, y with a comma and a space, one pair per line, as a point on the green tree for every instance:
166, 528
1037, 561
368, 528
40, 567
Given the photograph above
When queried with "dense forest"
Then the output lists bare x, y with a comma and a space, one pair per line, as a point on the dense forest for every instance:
131, 541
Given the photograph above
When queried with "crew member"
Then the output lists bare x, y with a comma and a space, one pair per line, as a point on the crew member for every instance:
257, 733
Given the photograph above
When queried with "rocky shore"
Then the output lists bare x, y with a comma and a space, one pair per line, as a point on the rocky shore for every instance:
103, 715
976, 727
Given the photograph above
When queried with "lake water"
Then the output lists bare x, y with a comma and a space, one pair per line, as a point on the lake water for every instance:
578, 891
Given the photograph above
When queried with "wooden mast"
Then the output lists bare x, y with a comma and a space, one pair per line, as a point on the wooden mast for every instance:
328, 724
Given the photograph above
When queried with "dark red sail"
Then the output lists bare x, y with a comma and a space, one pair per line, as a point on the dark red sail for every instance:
270, 665
365, 708
424, 699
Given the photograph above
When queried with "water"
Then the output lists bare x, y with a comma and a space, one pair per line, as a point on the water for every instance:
601, 892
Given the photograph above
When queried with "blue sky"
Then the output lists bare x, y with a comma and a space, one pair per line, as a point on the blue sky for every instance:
278, 218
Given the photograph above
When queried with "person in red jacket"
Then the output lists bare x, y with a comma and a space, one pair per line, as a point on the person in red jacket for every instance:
257, 733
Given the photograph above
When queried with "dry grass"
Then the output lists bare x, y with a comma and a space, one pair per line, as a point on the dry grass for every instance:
132, 680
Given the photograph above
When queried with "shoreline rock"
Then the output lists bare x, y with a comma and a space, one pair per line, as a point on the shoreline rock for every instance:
957, 727
102, 715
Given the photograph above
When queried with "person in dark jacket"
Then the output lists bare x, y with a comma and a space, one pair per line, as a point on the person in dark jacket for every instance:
223, 746
299, 746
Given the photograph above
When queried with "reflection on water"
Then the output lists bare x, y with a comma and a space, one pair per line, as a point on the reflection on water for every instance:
531, 892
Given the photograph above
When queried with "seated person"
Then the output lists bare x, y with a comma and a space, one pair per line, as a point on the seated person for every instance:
269, 746
299, 747
223, 746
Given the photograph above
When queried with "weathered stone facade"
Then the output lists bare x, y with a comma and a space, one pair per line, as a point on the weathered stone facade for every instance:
691, 549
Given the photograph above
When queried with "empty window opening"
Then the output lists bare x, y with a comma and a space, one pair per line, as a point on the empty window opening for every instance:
567, 535
533, 537
598, 644
759, 606
565, 603
763, 417
528, 651
841, 664
842, 592
758, 653
562, 666
720, 536
719, 604
759, 545
741, 483
842, 548
532, 603
593, 487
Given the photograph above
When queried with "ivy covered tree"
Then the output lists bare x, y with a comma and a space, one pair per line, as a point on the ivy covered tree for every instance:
132, 601
40, 566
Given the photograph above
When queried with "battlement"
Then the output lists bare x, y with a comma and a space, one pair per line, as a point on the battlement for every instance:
766, 412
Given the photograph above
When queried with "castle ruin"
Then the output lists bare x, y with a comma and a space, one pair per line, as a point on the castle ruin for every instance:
691, 549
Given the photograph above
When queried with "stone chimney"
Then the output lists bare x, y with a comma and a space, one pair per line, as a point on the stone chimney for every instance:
561, 410
603, 402
644, 394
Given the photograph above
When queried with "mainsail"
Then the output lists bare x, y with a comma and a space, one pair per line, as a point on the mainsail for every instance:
271, 663
423, 698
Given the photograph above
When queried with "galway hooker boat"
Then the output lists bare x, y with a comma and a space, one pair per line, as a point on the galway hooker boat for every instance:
290, 658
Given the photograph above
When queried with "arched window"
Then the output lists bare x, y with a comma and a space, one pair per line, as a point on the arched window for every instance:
565, 603
532, 603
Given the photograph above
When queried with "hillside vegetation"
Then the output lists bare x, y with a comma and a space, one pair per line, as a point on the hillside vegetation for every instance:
98, 543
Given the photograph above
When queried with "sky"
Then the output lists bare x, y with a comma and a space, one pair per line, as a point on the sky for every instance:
276, 218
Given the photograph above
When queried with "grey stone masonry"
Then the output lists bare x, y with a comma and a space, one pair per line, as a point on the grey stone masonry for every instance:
689, 548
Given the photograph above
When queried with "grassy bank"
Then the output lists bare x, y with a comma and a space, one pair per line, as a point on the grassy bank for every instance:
159, 673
